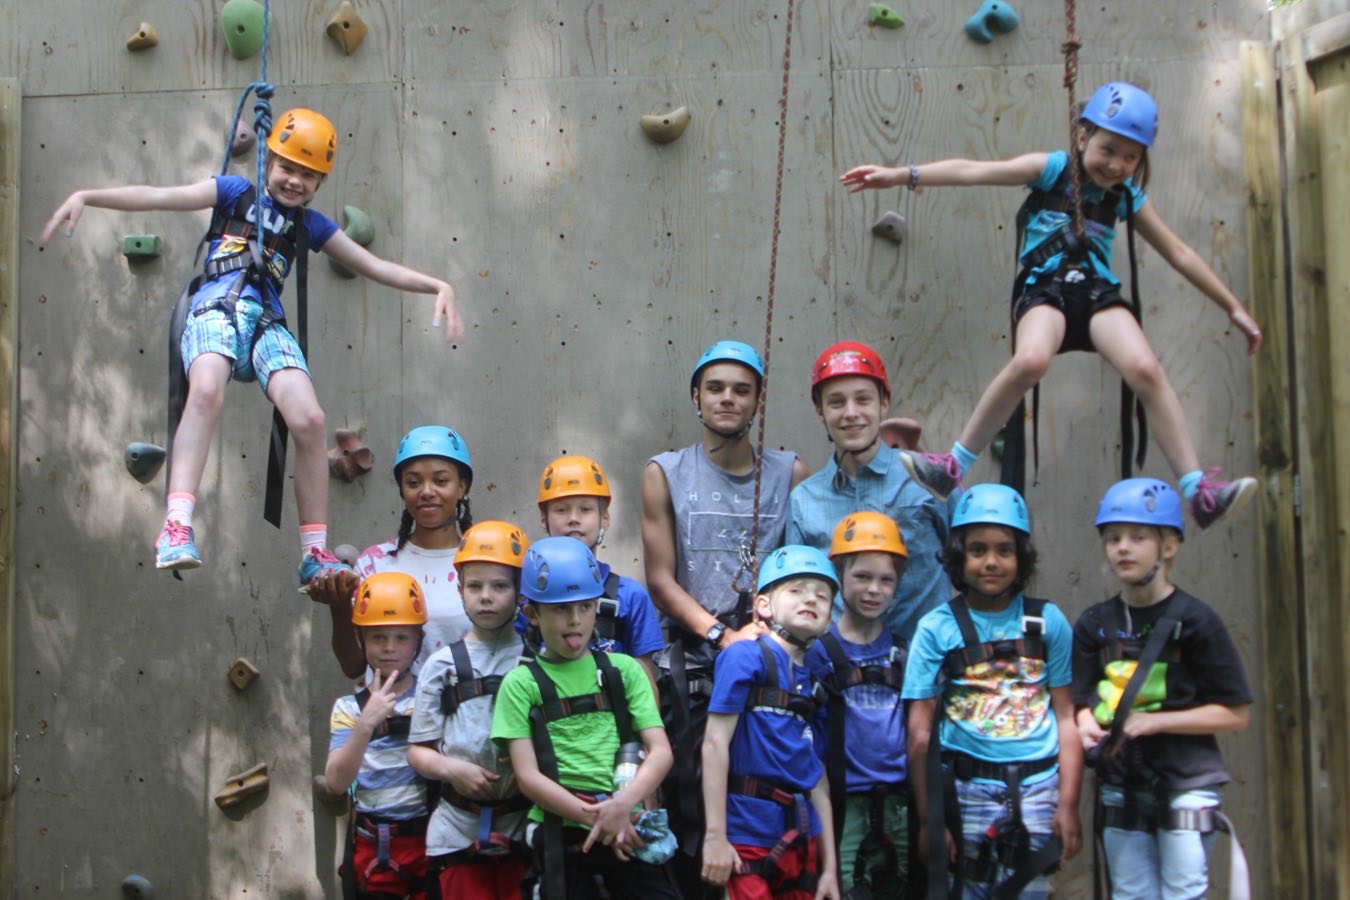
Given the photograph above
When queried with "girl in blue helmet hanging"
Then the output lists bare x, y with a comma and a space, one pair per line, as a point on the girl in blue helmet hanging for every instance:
433, 471
1067, 298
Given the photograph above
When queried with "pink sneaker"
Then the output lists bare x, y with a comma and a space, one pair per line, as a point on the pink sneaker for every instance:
937, 473
1213, 499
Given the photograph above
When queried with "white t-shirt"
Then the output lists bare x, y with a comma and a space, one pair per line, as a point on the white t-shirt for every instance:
435, 571
467, 735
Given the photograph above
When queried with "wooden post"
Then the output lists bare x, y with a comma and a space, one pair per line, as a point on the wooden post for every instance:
1281, 689
11, 101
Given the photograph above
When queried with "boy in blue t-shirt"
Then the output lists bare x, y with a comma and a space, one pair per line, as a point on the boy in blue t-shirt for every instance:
861, 733
386, 853
236, 325
769, 825
1000, 665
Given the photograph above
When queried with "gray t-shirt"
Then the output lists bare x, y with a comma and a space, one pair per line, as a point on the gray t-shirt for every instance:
464, 735
714, 511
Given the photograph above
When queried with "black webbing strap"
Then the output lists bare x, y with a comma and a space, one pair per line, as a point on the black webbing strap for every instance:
769, 695
276, 454
395, 726
1031, 645
944, 814
1165, 629
607, 609
1131, 410
686, 761
550, 709
348, 870
464, 686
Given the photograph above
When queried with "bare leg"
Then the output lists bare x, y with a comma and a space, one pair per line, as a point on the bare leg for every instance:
1039, 335
207, 378
292, 393
1121, 342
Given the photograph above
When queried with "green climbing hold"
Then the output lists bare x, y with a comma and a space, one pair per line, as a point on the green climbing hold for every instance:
243, 23
882, 15
143, 461
140, 246
357, 225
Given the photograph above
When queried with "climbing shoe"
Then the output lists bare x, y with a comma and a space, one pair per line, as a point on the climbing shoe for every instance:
1213, 499
175, 549
317, 563
937, 473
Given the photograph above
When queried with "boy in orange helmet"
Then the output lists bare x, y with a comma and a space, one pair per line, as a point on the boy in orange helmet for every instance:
235, 326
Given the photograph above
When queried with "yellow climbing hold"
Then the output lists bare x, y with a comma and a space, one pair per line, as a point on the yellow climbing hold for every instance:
143, 38
666, 127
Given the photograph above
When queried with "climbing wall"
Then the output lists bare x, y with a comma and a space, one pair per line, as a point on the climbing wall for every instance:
497, 144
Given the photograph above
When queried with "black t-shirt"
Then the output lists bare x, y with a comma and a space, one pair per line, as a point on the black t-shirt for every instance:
1207, 670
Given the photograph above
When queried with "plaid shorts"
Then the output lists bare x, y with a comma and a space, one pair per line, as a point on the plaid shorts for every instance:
210, 330
983, 803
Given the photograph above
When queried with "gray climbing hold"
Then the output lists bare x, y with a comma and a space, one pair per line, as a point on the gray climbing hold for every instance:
244, 139
357, 225
891, 226
666, 127
992, 16
243, 23
138, 887
347, 553
143, 461
883, 16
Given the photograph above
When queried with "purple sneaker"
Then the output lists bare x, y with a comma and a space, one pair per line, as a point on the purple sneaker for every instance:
937, 473
1213, 499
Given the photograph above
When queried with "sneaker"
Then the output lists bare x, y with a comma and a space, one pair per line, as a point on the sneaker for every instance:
317, 563
174, 549
937, 473
1214, 499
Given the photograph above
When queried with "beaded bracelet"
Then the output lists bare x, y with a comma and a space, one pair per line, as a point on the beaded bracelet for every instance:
913, 177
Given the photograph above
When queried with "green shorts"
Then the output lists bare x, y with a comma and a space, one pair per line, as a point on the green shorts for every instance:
886, 866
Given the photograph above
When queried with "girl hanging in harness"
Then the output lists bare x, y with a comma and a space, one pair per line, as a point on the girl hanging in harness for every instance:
1066, 297
236, 326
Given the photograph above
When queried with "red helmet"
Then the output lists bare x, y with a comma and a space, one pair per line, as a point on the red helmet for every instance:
848, 358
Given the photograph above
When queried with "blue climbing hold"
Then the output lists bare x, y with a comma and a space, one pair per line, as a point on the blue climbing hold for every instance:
992, 16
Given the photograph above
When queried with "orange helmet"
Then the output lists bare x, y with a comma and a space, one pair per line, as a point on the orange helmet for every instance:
389, 598
572, 476
307, 138
492, 541
867, 532
848, 358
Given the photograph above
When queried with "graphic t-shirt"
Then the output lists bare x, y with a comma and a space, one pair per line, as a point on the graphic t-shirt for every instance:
385, 785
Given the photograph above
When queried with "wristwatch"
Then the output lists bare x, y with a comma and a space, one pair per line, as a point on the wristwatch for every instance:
714, 635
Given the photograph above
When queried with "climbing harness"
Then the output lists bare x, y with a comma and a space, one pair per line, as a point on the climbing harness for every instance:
845, 674
1006, 844
769, 697
253, 269
1067, 197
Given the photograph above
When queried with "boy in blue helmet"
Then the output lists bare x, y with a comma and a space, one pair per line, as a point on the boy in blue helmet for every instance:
698, 509
769, 824
1066, 297
586, 758
1155, 678
1005, 757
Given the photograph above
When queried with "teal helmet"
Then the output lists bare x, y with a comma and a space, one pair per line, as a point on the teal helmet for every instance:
1123, 109
433, 440
560, 570
795, 561
729, 351
992, 504
1142, 501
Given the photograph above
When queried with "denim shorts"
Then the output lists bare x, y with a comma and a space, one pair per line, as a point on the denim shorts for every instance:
984, 803
209, 329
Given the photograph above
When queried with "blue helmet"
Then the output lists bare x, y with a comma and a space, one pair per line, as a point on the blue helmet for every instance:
1142, 501
560, 570
729, 351
992, 504
433, 440
1124, 109
795, 561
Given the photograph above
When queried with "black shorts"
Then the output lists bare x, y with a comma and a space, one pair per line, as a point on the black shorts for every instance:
1077, 301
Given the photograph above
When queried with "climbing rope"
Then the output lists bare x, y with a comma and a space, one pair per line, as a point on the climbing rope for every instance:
749, 561
263, 92
1072, 44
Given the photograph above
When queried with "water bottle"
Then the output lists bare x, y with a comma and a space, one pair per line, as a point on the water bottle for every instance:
626, 763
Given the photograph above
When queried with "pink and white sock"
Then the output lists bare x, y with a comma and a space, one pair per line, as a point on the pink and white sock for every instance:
313, 537
180, 506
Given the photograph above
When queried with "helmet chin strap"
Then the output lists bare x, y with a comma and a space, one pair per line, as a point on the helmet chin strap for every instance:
840, 478
728, 437
1152, 574
791, 638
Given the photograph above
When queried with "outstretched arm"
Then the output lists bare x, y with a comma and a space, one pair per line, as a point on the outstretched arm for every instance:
129, 198
965, 172
1184, 259
361, 261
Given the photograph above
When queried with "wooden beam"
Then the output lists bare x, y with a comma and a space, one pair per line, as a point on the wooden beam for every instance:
1282, 681
1325, 38
11, 102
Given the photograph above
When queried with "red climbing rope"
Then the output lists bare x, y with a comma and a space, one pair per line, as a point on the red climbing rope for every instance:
1071, 46
750, 562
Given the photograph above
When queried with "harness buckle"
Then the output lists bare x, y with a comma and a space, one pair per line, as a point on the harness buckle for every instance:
1038, 621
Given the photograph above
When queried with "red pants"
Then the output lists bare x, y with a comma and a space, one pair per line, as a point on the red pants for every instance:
484, 879
799, 858
406, 874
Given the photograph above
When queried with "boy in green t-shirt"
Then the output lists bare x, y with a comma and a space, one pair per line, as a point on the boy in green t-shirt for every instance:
586, 758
